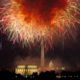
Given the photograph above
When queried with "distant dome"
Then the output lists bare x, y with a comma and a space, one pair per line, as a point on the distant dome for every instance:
51, 65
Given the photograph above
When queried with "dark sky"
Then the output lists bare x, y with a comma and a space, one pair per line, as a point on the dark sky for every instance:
69, 54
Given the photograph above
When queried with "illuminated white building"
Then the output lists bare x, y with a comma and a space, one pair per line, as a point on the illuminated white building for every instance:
51, 65
21, 69
26, 70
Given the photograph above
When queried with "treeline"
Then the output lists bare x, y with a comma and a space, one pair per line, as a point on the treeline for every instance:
48, 75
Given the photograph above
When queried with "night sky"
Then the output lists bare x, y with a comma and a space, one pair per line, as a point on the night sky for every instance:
66, 53
69, 53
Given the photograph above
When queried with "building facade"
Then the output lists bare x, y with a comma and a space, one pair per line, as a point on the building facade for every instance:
26, 70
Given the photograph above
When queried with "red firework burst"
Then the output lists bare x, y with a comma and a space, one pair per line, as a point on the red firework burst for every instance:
27, 20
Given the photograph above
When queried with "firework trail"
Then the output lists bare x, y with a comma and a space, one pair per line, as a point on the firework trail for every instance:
28, 21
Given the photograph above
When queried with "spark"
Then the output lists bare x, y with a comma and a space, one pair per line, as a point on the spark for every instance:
28, 27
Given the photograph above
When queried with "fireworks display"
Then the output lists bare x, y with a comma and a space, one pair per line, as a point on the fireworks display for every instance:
28, 20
